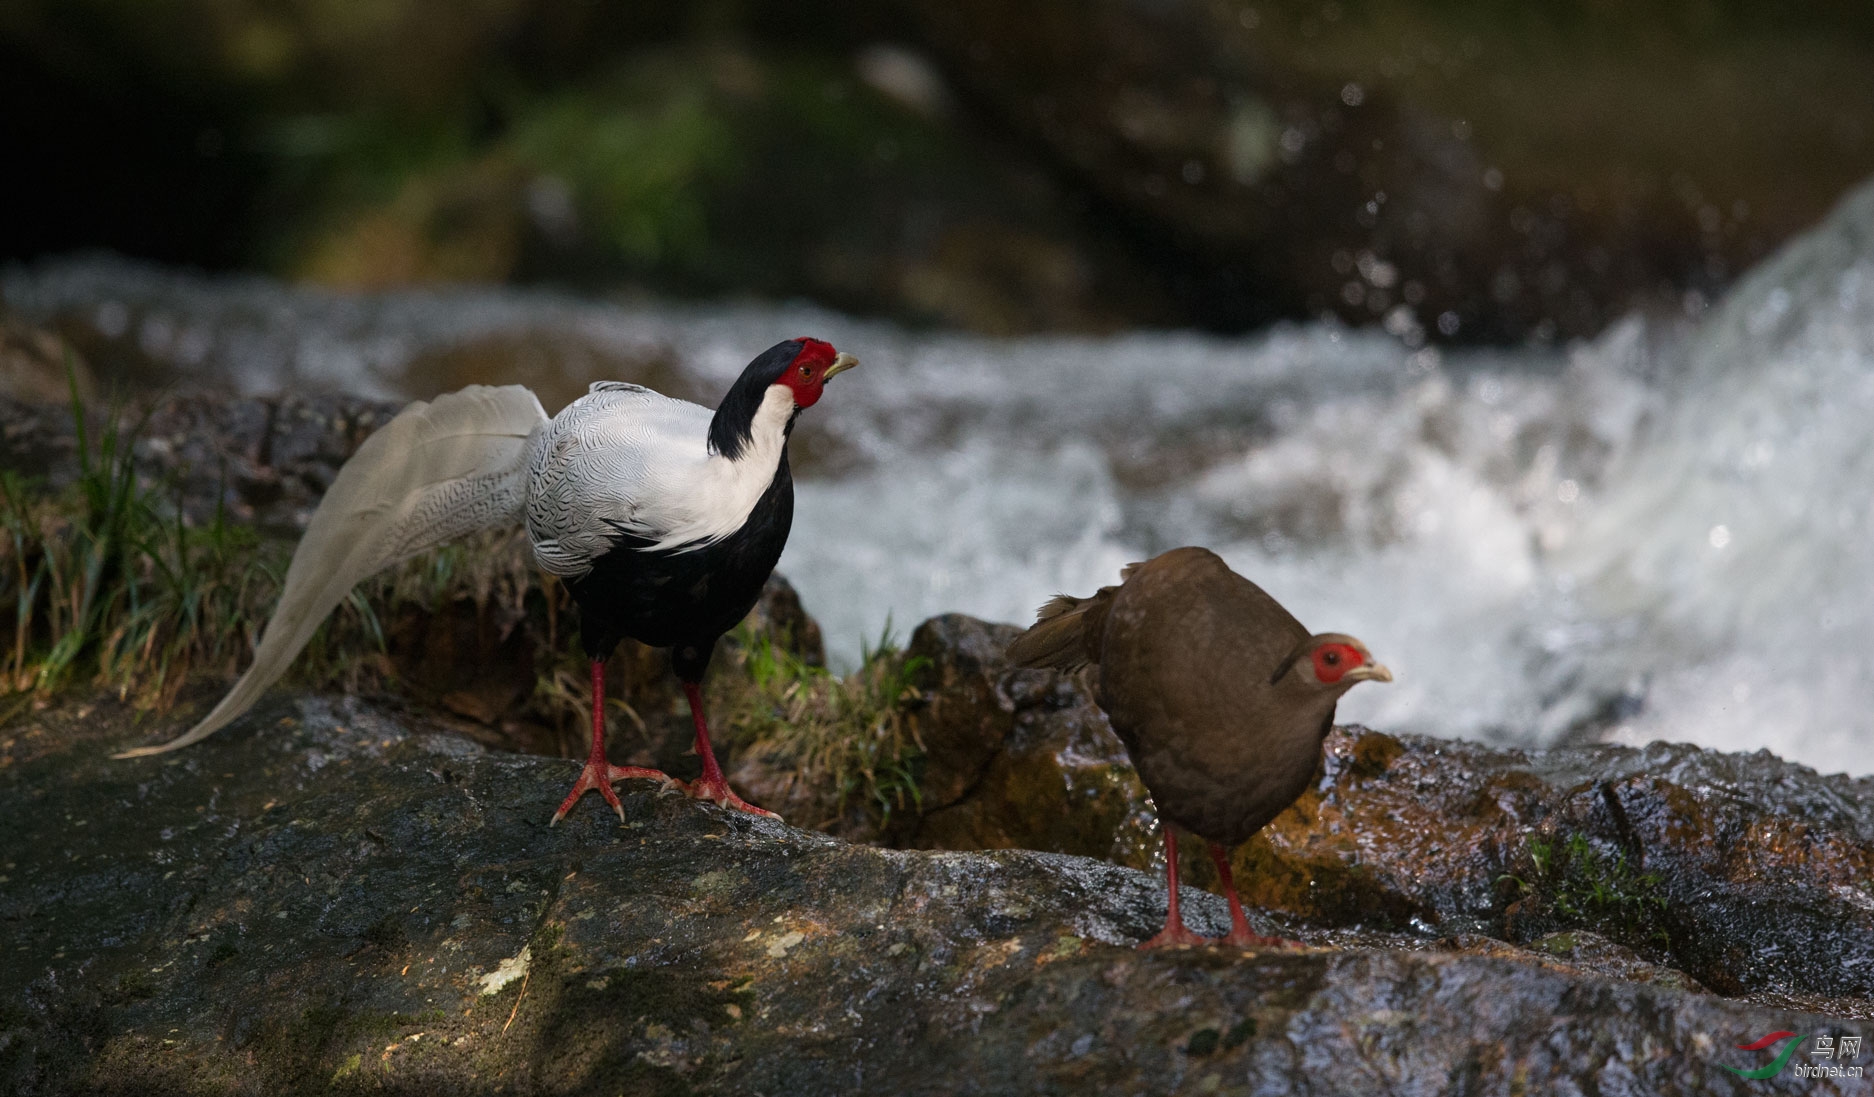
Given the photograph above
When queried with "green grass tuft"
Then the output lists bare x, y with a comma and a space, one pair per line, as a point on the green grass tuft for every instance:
847, 741
106, 576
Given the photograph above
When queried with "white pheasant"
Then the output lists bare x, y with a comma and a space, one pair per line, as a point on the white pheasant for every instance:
664, 518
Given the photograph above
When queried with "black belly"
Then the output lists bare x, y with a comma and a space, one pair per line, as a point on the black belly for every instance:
684, 600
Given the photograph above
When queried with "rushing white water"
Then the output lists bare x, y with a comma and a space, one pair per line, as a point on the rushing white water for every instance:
1653, 535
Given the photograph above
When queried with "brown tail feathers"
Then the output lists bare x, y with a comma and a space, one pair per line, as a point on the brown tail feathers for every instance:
1066, 633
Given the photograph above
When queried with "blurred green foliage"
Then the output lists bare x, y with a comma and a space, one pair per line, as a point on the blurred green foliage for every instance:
731, 145
641, 171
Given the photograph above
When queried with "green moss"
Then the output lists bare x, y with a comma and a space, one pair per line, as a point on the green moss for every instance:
135, 986
1323, 887
1570, 883
1239, 1032
1203, 1042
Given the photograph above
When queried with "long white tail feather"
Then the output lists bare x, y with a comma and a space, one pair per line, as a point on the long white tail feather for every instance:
436, 472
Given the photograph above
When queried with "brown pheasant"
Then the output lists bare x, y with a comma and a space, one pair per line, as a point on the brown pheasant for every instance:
1221, 697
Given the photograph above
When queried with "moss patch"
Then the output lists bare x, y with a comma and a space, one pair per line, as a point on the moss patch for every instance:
1570, 882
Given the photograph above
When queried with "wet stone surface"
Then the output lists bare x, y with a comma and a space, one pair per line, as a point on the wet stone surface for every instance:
333, 897
267, 460
1742, 873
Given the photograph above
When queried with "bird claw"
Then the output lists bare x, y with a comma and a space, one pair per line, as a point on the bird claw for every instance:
718, 792
600, 774
1176, 937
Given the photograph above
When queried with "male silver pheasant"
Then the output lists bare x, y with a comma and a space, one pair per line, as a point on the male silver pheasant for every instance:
664, 519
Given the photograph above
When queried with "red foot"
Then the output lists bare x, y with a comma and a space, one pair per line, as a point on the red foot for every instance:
1257, 940
1176, 937
599, 774
711, 785
717, 791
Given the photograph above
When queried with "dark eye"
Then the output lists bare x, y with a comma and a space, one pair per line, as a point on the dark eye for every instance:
1331, 658
806, 371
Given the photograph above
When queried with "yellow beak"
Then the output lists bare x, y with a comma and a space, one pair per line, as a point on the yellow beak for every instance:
841, 363
1370, 672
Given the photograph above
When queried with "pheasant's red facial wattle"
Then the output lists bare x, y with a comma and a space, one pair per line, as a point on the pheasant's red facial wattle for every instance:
1333, 661
806, 374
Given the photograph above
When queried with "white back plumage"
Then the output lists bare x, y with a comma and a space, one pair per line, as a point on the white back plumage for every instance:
625, 460
436, 472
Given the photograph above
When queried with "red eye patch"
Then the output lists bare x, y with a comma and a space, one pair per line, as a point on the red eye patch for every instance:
803, 374
1333, 660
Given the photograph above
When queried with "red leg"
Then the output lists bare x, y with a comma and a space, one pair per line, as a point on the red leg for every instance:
1174, 935
712, 786
599, 773
1240, 933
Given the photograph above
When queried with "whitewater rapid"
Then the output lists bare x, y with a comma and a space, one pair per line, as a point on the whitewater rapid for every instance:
1667, 532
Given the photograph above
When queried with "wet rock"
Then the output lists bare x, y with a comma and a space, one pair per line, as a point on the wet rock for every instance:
331, 897
968, 718
1743, 873
780, 616
1018, 759
263, 461
1592, 952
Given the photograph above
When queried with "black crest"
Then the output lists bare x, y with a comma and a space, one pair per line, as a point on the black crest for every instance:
733, 426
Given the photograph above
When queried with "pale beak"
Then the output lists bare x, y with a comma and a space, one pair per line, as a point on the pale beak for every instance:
841, 363
1370, 672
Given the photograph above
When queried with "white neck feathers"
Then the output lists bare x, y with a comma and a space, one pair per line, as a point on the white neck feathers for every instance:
728, 489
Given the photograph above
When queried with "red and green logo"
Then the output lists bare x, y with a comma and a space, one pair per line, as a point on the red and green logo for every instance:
1780, 1061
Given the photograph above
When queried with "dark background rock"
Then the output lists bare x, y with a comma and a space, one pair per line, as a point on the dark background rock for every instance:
334, 898
1507, 171
1301, 159
264, 462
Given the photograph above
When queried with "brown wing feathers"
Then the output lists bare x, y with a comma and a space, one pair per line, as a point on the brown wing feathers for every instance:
1066, 633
